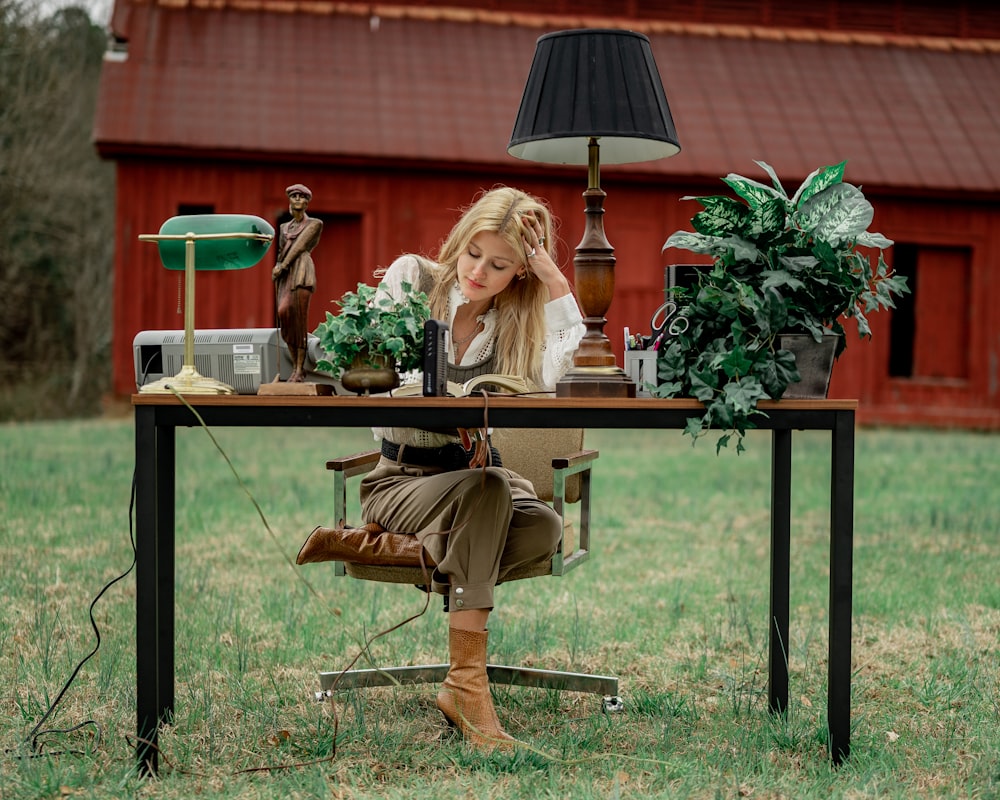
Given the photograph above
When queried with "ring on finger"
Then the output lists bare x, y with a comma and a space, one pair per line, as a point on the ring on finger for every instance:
541, 241
532, 253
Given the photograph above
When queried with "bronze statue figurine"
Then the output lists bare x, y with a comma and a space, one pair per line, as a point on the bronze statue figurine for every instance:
294, 275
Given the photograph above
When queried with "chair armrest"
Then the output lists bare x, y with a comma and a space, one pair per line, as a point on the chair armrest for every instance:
344, 468
577, 459
579, 463
356, 464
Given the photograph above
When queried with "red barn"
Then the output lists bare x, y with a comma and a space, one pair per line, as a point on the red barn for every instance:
396, 115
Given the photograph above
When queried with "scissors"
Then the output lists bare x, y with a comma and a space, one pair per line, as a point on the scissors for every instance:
663, 326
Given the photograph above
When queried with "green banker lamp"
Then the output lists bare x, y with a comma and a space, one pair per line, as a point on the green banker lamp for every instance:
224, 241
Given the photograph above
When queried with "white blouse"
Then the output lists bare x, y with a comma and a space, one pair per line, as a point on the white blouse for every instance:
563, 331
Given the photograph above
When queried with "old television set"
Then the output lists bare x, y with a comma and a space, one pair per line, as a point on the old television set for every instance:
244, 358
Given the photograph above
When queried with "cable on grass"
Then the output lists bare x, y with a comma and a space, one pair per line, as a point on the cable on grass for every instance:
33, 739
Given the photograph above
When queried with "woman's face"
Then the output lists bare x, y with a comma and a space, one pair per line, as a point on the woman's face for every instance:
487, 266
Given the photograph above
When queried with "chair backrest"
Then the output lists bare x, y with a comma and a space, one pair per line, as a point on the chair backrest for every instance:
529, 453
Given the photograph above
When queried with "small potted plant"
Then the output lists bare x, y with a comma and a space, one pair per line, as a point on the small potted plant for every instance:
780, 265
373, 338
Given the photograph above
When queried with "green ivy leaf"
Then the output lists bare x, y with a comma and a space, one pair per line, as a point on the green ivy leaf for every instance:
798, 263
776, 373
772, 316
742, 395
735, 363
671, 364
781, 279
694, 427
703, 383
667, 389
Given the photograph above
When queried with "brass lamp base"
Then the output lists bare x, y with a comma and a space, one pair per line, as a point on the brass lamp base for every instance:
187, 381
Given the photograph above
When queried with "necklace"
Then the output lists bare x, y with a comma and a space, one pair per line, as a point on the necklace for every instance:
468, 338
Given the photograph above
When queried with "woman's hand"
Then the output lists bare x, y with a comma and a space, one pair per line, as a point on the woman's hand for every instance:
540, 263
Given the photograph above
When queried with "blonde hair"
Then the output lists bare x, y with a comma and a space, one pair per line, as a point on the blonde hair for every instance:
520, 307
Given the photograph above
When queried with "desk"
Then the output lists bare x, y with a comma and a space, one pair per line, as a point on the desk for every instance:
158, 416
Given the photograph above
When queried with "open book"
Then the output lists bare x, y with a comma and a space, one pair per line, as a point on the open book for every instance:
490, 382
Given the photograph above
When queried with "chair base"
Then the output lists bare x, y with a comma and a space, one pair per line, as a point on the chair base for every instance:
604, 685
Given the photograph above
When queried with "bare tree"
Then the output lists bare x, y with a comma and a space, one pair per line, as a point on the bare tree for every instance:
56, 215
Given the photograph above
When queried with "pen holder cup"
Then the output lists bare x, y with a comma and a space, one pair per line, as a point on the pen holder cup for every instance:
640, 366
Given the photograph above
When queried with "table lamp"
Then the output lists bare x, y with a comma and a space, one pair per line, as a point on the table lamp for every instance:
594, 95
224, 241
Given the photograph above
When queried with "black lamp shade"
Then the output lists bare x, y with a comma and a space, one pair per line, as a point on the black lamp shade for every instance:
593, 83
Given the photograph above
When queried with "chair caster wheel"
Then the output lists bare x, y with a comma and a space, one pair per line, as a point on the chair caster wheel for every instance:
612, 704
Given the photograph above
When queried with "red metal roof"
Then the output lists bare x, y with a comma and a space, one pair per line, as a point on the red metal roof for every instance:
324, 81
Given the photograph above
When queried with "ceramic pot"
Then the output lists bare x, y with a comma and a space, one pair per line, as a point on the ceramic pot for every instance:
814, 361
370, 374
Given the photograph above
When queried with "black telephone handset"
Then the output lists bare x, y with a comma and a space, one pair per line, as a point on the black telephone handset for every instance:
435, 358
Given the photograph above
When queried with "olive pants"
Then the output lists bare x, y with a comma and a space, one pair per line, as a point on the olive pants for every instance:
477, 524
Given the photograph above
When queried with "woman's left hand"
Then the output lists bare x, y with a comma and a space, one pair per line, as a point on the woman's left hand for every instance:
540, 263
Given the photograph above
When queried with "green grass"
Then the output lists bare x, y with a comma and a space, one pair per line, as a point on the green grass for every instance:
674, 603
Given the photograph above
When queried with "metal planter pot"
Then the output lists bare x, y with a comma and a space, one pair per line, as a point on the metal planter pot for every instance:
370, 375
814, 361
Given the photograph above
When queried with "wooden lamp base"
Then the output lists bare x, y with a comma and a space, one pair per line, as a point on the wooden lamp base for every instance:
595, 371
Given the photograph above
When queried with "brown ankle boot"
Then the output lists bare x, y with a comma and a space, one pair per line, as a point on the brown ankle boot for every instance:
465, 698
369, 544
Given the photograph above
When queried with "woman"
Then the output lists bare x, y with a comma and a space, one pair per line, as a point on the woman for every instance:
511, 311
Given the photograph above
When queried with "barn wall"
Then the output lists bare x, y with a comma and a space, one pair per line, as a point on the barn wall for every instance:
374, 214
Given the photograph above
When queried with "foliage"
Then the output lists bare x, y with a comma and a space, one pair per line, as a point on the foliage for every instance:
780, 265
57, 223
371, 322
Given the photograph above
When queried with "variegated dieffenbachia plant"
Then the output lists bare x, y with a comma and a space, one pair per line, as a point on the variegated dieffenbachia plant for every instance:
780, 264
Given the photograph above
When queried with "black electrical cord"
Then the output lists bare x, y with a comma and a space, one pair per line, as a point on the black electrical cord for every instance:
32, 739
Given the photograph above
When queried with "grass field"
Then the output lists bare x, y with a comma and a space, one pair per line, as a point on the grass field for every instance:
674, 603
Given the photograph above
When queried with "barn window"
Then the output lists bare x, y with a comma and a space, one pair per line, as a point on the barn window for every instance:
930, 326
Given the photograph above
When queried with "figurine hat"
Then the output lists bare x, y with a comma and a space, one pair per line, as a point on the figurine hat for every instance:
298, 187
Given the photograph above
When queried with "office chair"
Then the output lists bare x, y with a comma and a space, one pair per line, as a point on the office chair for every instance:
562, 480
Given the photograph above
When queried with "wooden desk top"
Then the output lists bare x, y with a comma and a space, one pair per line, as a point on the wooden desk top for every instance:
474, 401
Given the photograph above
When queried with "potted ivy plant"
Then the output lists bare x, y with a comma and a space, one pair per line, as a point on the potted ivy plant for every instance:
780, 265
374, 337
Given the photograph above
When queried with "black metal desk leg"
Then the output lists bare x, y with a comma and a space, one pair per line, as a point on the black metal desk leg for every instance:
781, 510
154, 530
838, 703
